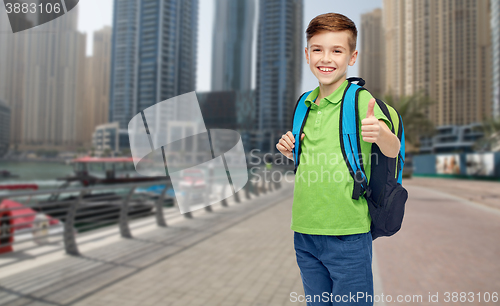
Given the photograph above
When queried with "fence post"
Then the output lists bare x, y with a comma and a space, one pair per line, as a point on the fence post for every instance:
247, 189
69, 226
270, 185
224, 201
237, 197
160, 219
124, 228
255, 188
263, 187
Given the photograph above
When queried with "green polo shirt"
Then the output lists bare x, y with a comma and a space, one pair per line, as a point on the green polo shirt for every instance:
322, 203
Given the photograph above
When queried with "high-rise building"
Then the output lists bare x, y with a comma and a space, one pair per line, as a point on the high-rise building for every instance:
153, 54
227, 109
371, 56
12, 74
41, 81
232, 45
4, 128
279, 62
95, 110
495, 35
443, 48
54, 79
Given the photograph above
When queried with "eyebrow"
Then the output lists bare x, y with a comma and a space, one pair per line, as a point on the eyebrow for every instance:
335, 46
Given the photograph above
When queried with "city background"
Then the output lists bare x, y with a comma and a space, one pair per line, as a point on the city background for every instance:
69, 87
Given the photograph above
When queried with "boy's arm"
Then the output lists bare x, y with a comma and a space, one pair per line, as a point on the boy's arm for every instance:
376, 131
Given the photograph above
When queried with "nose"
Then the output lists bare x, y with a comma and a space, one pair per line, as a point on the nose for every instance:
326, 57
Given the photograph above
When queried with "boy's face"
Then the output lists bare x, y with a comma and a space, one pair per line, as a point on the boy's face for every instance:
328, 55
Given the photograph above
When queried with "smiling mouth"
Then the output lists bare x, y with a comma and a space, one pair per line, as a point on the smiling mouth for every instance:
326, 69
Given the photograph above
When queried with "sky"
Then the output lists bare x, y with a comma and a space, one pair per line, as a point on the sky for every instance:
94, 14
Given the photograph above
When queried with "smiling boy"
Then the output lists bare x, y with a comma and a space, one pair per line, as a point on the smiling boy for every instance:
332, 237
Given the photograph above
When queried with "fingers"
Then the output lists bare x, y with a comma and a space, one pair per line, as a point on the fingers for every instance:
287, 141
370, 133
286, 144
290, 135
282, 149
371, 105
370, 128
369, 121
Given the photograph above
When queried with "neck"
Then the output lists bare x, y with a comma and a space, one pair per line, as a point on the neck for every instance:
326, 90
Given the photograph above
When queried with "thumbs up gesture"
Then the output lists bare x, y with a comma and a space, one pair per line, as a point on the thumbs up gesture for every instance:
370, 126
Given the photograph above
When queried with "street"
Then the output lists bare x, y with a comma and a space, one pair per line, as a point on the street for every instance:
447, 244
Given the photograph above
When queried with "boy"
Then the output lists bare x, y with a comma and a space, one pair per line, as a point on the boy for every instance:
332, 238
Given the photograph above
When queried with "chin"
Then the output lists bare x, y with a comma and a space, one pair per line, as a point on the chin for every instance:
327, 82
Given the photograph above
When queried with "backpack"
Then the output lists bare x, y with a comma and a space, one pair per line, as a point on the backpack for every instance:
385, 195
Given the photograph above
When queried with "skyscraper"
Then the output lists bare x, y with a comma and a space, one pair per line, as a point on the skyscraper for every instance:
495, 35
95, 110
232, 45
279, 62
42, 81
12, 74
371, 56
4, 128
153, 54
443, 48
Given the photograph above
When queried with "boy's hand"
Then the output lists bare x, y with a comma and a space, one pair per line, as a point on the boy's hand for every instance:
370, 126
287, 143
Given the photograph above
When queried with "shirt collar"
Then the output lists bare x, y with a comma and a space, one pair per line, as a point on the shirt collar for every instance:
335, 97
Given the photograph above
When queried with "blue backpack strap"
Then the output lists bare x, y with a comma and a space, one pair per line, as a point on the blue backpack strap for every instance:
299, 119
401, 158
349, 138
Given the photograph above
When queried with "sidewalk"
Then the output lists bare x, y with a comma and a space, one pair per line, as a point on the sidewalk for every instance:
482, 192
447, 246
239, 255
249, 263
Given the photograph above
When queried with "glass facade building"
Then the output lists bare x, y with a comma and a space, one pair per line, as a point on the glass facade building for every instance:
232, 45
153, 54
279, 64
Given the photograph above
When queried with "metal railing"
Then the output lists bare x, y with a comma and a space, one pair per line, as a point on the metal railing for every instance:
36, 216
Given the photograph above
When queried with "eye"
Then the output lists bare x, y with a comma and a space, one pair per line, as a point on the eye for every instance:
316, 50
337, 51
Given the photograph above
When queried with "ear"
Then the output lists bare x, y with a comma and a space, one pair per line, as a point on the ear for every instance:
354, 56
307, 55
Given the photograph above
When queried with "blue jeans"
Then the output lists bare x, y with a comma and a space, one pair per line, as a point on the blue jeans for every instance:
335, 270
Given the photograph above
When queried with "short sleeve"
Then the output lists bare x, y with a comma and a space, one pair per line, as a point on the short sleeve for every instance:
363, 99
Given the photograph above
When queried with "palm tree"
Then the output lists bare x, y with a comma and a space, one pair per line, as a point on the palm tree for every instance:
491, 138
412, 110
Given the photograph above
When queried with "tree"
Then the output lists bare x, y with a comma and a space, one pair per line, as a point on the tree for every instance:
106, 152
491, 136
412, 110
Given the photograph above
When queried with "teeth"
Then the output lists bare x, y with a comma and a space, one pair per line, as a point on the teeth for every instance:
325, 69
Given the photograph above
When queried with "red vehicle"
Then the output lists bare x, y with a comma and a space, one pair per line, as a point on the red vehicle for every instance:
193, 178
18, 220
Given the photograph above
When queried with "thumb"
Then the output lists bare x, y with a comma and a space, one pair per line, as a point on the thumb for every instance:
370, 112
302, 136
